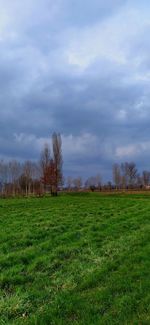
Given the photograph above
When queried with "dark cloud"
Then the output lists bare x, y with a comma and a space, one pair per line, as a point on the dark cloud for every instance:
80, 68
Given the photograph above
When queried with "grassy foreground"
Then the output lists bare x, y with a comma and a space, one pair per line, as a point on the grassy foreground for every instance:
75, 259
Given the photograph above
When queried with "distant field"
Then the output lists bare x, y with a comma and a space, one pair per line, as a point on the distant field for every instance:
76, 259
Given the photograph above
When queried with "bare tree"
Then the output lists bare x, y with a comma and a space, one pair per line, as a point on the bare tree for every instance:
129, 173
146, 177
51, 167
98, 181
45, 166
28, 174
14, 173
77, 183
69, 182
45, 157
124, 177
139, 181
94, 182
116, 175
4, 175
58, 161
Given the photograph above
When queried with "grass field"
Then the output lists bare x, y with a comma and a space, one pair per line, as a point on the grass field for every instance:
75, 259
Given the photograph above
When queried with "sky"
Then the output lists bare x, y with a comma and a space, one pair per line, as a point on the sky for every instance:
81, 68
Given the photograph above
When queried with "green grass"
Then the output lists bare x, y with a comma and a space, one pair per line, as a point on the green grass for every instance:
75, 259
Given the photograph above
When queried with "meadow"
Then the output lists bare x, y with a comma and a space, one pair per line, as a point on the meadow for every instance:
78, 259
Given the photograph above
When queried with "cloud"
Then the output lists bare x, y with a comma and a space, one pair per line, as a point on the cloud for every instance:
81, 68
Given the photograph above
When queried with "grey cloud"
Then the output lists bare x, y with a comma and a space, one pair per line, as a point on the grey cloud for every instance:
101, 107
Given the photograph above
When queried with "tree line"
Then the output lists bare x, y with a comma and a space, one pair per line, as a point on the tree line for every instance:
126, 176
34, 177
46, 175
